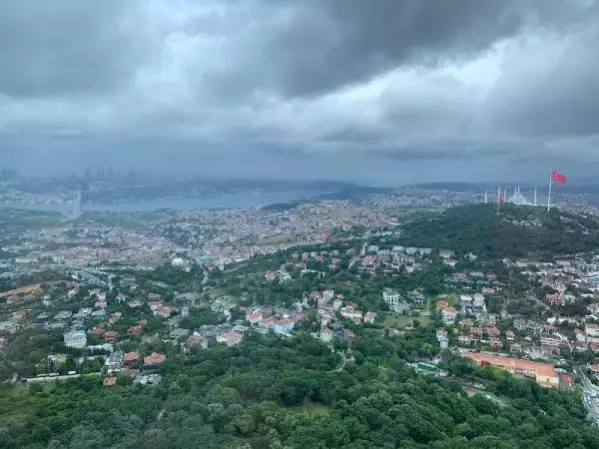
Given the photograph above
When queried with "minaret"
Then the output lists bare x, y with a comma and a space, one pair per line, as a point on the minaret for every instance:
535, 197
505, 194
486, 197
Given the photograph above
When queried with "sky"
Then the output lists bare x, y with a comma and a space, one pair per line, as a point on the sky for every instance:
385, 92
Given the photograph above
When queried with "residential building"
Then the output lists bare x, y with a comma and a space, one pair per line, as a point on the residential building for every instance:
164, 311
493, 333
111, 336
369, 317
544, 373
350, 313
449, 315
327, 296
131, 357
75, 339
254, 317
591, 330
9, 326
99, 314
326, 334
496, 344
395, 301
479, 301
64, 315
154, 359
551, 340
446, 254
134, 330
114, 362
196, 340
284, 326
230, 338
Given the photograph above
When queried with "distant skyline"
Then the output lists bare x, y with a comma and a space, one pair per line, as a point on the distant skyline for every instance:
407, 91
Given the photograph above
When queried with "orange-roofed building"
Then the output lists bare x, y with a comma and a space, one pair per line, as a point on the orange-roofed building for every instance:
544, 373
110, 336
442, 304
130, 357
164, 311
135, 330
110, 381
154, 359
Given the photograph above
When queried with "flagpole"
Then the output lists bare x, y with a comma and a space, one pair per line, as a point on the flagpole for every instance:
498, 198
549, 197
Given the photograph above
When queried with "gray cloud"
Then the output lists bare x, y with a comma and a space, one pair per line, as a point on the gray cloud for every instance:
516, 80
71, 46
322, 46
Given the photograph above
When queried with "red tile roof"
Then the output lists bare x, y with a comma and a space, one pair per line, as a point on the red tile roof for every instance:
130, 357
154, 359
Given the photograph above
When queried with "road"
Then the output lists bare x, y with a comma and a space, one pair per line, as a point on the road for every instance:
590, 396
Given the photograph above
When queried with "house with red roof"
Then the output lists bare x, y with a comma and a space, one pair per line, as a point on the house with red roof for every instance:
155, 305
110, 336
196, 340
134, 330
164, 311
493, 333
131, 357
154, 359
230, 338
110, 381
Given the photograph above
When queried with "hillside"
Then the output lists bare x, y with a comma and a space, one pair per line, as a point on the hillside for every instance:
518, 231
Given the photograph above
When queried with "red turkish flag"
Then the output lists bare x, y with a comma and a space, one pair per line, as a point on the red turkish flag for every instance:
558, 177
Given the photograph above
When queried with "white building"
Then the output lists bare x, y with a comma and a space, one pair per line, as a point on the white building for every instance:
395, 301
326, 335
449, 315
75, 339
327, 295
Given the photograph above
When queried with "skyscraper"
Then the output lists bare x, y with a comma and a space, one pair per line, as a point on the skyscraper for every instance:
76, 203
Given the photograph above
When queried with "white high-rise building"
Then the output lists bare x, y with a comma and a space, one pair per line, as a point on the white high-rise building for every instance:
76, 203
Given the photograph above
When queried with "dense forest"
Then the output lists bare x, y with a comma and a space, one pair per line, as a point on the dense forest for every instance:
517, 231
271, 392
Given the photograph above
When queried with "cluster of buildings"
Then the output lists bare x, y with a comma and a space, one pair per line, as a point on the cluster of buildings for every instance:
543, 373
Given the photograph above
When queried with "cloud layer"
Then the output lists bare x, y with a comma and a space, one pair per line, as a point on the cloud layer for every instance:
401, 81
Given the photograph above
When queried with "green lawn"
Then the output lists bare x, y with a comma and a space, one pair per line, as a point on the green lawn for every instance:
403, 321
277, 239
216, 292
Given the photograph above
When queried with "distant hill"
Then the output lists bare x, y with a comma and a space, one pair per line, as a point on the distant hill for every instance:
516, 232
449, 186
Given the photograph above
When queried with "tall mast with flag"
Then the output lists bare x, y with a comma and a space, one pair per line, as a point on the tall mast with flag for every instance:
558, 178
499, 198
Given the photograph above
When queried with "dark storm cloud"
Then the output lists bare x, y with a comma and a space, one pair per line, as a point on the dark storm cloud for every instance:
66, 46
324, 45
467, 81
